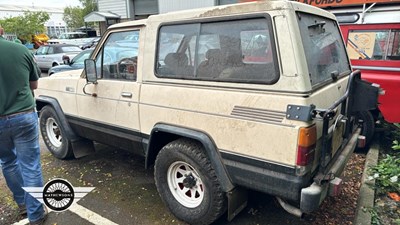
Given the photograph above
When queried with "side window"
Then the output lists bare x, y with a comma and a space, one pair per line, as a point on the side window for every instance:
394, 46
176, 49
51, 50
42, 50
374, 44
118, 58
232, 51
39, 51
368, 45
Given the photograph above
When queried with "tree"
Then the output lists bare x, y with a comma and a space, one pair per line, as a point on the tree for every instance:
25, 26
74, 16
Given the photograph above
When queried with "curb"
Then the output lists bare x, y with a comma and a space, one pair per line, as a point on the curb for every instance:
367, 194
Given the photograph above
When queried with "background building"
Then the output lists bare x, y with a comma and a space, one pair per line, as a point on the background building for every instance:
124, 10
54, 26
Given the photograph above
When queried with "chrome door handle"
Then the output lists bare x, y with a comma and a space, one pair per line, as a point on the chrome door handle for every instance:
126, 94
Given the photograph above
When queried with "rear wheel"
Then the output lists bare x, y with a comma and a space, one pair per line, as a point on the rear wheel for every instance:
368, 125
187, 183
53, 134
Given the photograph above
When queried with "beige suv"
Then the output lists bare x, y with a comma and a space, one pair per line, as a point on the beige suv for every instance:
219, 100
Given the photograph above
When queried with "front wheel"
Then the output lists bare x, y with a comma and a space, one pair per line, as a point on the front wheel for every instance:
54, 135
187, 183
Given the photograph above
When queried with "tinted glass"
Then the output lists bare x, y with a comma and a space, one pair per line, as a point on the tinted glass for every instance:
323, 46
221, 51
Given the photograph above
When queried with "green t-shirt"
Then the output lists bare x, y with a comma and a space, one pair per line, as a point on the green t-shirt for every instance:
17, 68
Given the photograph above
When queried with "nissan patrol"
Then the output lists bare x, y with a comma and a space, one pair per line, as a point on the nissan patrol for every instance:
219, 100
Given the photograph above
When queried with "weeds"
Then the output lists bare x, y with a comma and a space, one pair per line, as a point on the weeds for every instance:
386, 174
387, 178
375, 220
395, 145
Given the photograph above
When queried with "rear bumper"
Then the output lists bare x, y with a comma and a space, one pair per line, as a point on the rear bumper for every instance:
312, 196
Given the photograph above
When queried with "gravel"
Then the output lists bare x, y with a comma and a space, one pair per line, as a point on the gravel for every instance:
341, 209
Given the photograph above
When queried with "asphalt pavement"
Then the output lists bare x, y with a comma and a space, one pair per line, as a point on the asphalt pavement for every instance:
125, 193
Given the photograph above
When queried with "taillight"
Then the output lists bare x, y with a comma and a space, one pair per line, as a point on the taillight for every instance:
306, 145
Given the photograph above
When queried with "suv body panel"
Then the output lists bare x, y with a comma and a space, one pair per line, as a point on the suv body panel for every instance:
243, 126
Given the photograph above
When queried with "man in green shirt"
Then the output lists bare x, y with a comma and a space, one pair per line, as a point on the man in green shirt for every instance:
19, 135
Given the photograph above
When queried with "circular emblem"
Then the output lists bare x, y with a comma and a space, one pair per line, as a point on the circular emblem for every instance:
58, 194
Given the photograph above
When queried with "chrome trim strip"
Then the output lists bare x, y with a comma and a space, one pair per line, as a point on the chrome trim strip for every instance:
394, 69
256, 158
258, 114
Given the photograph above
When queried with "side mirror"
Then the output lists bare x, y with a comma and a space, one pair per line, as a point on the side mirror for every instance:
90, 70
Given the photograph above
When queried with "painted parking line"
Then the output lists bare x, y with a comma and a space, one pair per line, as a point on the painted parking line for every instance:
90, 215
82, 212
22, 222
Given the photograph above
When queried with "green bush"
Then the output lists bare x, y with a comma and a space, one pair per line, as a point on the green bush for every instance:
395, 145
387, 172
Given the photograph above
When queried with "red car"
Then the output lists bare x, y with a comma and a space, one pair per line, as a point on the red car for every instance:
375, 50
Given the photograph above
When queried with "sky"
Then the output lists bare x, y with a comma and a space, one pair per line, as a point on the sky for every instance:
48, 3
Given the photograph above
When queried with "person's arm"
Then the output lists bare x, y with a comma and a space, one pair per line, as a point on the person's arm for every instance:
33, 85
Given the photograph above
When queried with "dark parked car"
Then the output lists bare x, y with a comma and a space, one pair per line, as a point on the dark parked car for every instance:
48, 56
76, 63
91, 44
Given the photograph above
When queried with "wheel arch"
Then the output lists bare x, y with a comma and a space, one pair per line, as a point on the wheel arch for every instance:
162, 134
42, 101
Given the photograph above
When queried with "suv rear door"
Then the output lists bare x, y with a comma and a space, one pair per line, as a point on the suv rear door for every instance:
328, 67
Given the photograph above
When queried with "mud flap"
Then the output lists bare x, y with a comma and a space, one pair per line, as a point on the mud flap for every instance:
82, 147
237, 201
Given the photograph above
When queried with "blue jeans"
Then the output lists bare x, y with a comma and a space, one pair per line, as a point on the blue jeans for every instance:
20, 159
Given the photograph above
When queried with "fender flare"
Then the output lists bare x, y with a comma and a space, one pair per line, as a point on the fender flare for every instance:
42, 101
56, 62
209, 146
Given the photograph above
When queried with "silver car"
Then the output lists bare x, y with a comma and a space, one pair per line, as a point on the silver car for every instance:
48, 56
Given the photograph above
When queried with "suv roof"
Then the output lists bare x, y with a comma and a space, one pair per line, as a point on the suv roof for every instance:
223, 10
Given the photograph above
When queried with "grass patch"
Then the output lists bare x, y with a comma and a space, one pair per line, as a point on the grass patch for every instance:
387, 178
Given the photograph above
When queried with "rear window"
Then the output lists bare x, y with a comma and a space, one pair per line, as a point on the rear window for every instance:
239, 50
324, 49
70, 49
374, 44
